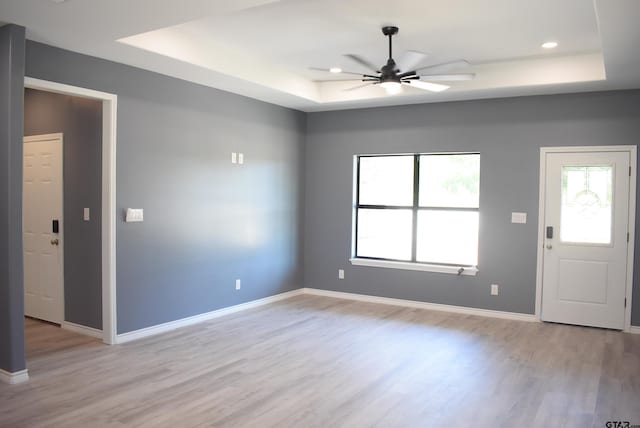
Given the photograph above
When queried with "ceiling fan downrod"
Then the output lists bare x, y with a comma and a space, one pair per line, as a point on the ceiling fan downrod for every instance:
390, 32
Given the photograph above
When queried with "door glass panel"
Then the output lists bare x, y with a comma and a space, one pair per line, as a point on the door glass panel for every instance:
586, 204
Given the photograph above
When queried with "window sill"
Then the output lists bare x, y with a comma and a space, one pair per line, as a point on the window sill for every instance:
453, 270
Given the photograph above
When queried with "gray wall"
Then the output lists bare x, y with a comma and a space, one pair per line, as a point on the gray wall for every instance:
12, 44
508, 133
80, 120
207, 222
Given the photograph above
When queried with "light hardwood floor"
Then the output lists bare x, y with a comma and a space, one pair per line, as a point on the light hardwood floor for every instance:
319, 362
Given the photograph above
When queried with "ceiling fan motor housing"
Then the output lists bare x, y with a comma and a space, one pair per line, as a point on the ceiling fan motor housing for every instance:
389, 31
389, 72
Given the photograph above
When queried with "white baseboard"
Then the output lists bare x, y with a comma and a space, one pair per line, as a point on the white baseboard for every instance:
14, 378
421, 305
172, 325
82, 329
634, 329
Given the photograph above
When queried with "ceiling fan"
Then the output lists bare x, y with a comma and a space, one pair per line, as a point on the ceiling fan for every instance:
392, 76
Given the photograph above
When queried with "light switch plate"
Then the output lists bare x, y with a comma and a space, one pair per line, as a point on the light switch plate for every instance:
234, 157
86, 214
134, 215
520, 218
340, 273
240, 158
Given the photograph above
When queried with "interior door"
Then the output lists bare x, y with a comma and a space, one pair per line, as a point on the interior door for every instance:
585, 246
43, 228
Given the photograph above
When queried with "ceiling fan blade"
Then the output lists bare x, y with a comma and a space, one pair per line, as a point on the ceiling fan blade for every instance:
427, 86
344, 80
448, 77
363, 62
342, 72
408, 75
358, 87
410, 59
445, 66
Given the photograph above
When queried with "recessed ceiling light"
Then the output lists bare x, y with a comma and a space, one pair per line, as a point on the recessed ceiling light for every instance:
335, 70
549, 45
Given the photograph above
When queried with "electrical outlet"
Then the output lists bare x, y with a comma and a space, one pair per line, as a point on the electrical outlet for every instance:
494, 289
238, 284
86, 214
340, 273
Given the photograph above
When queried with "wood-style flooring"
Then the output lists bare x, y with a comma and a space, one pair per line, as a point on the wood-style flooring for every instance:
319, 362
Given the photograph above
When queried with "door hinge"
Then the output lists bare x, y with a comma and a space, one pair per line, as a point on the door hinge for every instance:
627, 236
625, 302
629, 171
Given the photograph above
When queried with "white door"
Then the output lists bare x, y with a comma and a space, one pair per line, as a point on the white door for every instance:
42, 238
585, 238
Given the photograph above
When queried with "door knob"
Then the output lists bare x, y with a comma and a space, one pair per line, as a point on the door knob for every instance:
55, 242
549, 246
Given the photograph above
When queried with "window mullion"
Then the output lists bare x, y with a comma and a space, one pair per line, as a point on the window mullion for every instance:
357, 204
416, 198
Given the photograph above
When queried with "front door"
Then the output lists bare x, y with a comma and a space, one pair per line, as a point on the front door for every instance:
585, 238
42, 228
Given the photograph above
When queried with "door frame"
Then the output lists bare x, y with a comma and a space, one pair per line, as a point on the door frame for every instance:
631, 221
109, 119
47, 137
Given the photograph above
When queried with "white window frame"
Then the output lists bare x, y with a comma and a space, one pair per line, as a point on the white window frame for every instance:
396, 264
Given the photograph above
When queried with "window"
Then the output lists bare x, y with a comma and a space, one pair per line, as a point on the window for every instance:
420, 209
587, 195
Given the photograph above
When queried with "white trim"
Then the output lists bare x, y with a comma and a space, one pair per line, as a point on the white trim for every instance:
172, 325
81, 329
109, 301
468, 270
184, 322
109, 122
14, 378
634, 329
43, 137
631, 229
422, 305
631, 221
61, 88
541, 210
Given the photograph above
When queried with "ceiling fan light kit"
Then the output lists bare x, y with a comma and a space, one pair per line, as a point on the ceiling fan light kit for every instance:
391, 76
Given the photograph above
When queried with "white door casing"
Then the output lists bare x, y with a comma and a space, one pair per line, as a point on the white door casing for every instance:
109, 143
43, 249
585, 256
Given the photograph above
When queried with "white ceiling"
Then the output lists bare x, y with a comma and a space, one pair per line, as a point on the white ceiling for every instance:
264, 48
